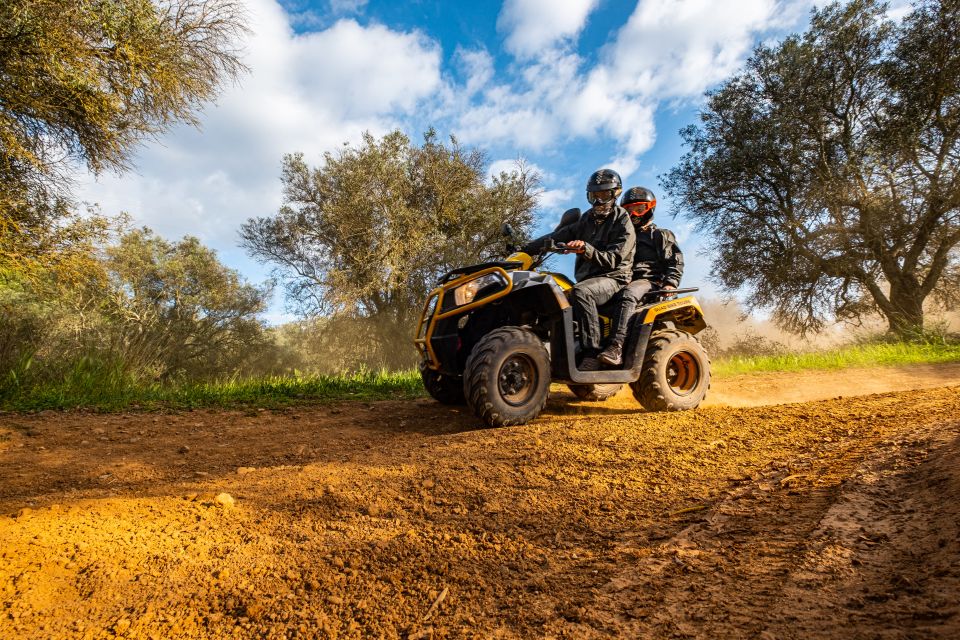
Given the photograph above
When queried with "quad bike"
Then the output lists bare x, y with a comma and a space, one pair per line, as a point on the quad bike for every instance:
494, 335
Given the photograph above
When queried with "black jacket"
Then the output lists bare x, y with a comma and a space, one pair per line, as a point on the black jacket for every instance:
657, 258
609, 245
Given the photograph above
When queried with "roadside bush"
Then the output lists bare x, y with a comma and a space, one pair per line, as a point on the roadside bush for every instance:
157, 311
751, 345
747, 343
933, 334
342, 344
174, 309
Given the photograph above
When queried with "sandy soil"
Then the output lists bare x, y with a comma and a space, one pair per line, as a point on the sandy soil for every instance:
837, 518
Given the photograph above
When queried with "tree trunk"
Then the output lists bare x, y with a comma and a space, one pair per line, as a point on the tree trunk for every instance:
906, 316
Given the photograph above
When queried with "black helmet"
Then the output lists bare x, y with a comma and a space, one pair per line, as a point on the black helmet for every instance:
603, 186
640, 203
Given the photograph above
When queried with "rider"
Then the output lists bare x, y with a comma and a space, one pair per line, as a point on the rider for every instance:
603, 240
657, 263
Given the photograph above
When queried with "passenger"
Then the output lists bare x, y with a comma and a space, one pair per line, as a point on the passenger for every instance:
603, 240
657, 264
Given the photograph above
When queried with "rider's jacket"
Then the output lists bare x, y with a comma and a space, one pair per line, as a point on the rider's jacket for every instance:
610, 245
658, 257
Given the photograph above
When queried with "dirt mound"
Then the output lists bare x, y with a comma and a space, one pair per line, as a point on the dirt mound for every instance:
405, 519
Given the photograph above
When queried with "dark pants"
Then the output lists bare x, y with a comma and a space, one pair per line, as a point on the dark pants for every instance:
629, 297
587, 295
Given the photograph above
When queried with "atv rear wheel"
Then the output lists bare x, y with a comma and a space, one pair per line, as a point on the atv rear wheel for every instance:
595, 392
507, 377
441, 387
675, 375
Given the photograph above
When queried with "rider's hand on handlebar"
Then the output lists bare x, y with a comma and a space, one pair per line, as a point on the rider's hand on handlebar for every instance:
575, 246
667, 287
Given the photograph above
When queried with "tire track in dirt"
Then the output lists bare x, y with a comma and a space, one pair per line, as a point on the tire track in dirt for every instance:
351, 521
809, 547
885, 554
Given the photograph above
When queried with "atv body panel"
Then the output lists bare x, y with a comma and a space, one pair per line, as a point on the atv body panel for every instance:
447, 331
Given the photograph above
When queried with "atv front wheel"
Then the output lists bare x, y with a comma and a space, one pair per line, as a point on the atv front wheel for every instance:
595, 392
507, 377
675, 375
441, 387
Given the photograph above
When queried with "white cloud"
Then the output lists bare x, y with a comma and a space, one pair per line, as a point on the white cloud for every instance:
552, 199
680, 48
527, 113
339, 69
535, 25
308, 92
667, 50
477, 66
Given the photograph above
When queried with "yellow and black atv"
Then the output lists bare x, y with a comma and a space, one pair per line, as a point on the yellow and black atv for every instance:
494, 335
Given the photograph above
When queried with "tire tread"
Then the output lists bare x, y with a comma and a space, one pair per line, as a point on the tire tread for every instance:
647, 389
479, 362
442, 388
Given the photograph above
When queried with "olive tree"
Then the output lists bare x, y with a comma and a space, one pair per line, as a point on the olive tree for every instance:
828, 171
367, 233
81, 83
173, 308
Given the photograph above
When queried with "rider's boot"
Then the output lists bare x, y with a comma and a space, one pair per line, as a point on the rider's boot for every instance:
612, 356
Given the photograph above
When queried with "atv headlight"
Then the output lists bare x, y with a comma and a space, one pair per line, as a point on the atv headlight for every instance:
467, 293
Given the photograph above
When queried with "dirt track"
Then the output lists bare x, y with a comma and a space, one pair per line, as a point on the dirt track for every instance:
836, 518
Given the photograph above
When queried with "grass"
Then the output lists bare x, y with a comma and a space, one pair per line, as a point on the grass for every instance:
265, 392
865, 355
100, 388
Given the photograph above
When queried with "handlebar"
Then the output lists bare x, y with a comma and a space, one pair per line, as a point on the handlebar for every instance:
559, 247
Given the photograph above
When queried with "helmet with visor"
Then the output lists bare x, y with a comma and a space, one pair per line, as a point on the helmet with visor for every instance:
603, 187
640, 203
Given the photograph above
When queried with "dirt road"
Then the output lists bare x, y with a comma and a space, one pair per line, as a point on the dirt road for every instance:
836, 519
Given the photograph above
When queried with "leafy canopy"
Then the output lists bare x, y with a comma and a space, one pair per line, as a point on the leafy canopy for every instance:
828, 171
175, 308
367, 234
81, 83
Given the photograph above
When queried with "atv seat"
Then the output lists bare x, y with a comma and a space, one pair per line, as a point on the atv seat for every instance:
657, 295
608, 309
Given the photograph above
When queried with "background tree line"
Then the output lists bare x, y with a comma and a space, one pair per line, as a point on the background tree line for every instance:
826, 173
83, 83
84, 297
148, 310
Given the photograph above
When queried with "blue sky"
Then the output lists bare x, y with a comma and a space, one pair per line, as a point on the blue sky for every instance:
567, 85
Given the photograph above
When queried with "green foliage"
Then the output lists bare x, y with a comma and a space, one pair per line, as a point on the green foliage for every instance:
104, 388
46, 245
173, 308
366, 235
85, 81
82, 83
159, 311
858, 355
937, 334
33, 326
828, 172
